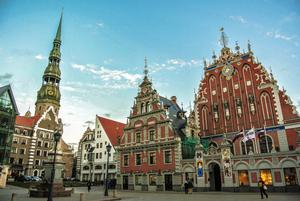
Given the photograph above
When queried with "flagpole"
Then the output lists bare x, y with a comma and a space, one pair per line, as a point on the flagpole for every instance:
256, 146
266, 139
245, 147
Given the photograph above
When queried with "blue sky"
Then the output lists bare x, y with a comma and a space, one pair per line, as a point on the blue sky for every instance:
104, 44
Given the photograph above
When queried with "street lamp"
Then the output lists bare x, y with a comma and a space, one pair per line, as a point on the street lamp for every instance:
108, 148
57, 136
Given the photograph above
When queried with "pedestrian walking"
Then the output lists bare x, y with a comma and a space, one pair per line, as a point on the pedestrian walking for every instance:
262, 188
113, 183
89, 184
186, 186
190, 186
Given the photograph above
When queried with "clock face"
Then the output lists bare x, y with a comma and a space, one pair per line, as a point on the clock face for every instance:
50, 92
227, 71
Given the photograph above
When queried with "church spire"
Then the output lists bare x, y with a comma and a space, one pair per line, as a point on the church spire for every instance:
146, 68
58, 33
49, 93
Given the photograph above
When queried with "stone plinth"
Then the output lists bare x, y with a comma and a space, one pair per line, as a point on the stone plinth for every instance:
58, 189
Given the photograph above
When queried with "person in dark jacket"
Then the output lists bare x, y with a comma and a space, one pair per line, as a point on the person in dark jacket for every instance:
262, 188
190, 186
113, 183
89, 184
186, 186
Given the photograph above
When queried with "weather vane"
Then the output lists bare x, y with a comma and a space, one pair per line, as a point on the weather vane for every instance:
224, 38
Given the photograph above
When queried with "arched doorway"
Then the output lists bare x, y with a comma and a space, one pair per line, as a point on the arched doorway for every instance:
215, 177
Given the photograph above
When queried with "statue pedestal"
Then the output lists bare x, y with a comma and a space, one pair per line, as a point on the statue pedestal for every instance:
58, 189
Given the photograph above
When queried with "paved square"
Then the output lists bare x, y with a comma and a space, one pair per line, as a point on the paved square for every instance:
96, 194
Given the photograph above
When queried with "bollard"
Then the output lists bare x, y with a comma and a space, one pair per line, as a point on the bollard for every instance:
81, 197
13, 197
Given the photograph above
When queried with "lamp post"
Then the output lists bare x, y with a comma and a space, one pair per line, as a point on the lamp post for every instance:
108, 148
57, 136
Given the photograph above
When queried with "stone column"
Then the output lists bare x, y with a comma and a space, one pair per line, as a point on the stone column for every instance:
227, 166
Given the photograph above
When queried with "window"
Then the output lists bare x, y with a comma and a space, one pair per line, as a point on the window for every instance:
105, 142
152, 180
98, 167
97, 155
138, 179
248, 147
38, 152
46, 144
39, 144
100, 155
37, 162
97, 145
45, 153
20, 161
14, 150
265, 144
23, 142
138, 137
11, 160
101, 145
243, 178
104, 166
125, 160
138, 159
168, 157
290, 176
266, 176
86, 167
84, 157
22, 151
15, 140
151, 135
152, 158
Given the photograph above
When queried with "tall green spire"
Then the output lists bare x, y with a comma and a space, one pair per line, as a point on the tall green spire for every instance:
58, 33
49, 93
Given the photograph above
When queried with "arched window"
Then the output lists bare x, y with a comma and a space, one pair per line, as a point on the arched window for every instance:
266, 106
204, 115
35, 173
265, 144
213, 144
248, 147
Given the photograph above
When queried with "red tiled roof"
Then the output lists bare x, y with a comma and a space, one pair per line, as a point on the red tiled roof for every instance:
27, 121
112, 128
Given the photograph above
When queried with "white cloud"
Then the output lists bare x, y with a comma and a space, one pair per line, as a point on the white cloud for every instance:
238, 19
115, 79
40, 57
278, 35
173, 64
100, 24
78, 66
67, 88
